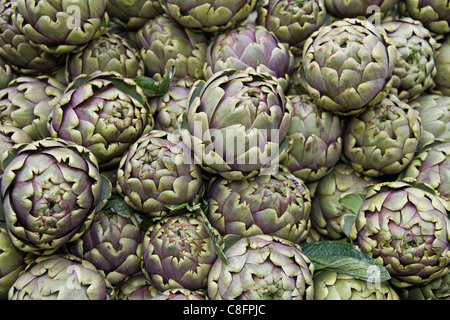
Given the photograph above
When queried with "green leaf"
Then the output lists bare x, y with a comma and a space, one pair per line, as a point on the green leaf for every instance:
353, 202
152, 88
344, 258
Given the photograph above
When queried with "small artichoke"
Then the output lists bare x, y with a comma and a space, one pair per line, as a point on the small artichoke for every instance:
61, 277
348, 65
316, 137
406, 229
358, 8
277, 205
442, 61
262, 268
434, 14
133, 15
383, 139
156, 172
209, 15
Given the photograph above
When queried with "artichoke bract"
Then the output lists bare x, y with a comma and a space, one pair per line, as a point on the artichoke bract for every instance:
164, 43
6, 74
415, 67
292, 21
112, 243
250, 47
348, 65
442, 62
316, 137
9, 137
178, 252
434, 14
60, 26
107, 53
156, 172
277, 205
406, 229
357, 8
51, 191
383, 139
61, 277
137, 287
133, 15
208, 15
238, 122
262, 268
28, 103
331, 285
103, 112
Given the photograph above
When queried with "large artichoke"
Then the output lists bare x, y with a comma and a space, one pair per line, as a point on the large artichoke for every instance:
156, 172
178, 252
316, 137
262, 268
292, 21
133, 14
348, 65
61, 277
51, 191
208, 15
383, 139
434, 14
250, 47
357, 8
406, 229
238, 122
105, 113
442, 61
277, 205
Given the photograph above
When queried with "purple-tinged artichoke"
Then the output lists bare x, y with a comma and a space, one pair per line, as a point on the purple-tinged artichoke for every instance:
358, 8
133, 15
179, 294
434, 14
276, 205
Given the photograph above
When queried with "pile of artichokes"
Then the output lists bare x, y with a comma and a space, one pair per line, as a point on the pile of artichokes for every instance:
224, 150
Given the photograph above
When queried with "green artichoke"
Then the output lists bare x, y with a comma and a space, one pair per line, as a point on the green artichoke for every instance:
178, 252
61, 277
28, 103
330, 285
358, 8
348, 65
250, 47
434, 14
292, 21
329, 215
6, 74
112, 243
156, 172
51, 191
262, 268
107, 53
105, 113
137, 287
179, 294
133, 14
238, 122
442, 61
316, 137
277, 205
164, 43
438, 289
383, 139
415, 68
406, 229
208, 15
60, 26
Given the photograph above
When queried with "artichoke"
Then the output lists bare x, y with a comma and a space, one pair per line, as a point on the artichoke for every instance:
179, 294
107, 53
316, 137
442, 62
330, 285
238, 122
329, 215
105, 113
61, 277
250, 47
178, 252
51, 191
156, 172
133, 14
262, 268
60, 26
357, 8
292, 21
164, 43
348, 65
28, 103
383, 139
137, 287
208, 15
438, 289
406, 229
415, 68
112, 243
9, 137
6, 74
277, 205
434, 14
